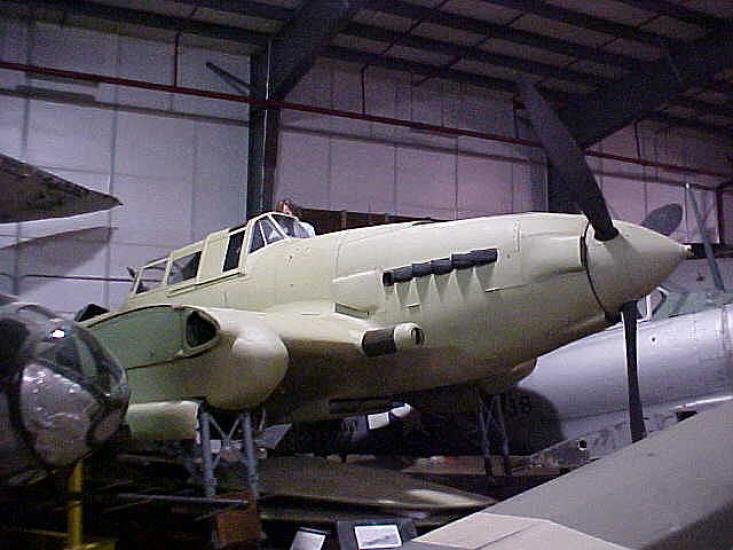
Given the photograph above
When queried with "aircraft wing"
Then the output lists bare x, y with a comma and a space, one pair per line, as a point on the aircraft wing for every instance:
29, 193
313, 330
237, 359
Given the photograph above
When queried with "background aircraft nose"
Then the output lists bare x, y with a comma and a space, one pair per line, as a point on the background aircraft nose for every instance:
631, 265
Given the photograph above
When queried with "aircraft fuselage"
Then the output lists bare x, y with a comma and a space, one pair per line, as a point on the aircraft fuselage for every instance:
488, 294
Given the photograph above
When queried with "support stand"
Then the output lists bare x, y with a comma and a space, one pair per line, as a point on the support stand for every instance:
491, 422
229, 451
74, 509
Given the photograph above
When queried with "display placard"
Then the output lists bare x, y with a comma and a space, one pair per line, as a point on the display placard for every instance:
371, 537
308, 539
375, 534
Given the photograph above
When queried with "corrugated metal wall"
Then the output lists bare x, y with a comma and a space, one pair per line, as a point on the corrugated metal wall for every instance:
177, 163
370, 167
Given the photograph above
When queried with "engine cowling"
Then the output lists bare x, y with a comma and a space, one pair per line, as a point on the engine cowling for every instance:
230, 358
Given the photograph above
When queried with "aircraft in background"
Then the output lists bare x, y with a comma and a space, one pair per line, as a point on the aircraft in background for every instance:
63, 394
686, 365
30, 193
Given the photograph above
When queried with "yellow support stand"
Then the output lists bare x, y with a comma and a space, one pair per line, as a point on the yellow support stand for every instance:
72, 539
74, 508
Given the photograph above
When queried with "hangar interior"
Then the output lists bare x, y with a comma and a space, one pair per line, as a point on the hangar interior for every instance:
392, 108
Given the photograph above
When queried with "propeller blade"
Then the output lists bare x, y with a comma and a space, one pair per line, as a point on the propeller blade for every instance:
665, 219
712, 262
636, 412
567, 158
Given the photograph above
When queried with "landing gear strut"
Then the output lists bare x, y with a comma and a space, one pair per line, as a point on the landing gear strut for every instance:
491, 423
230, 451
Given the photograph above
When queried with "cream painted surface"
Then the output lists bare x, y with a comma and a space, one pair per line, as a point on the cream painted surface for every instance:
478, 322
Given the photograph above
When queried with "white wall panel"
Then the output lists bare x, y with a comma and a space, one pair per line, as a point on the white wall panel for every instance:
626, 198
381, 95
221, 154
69, 137
347, 97
14, 48
155, 210
315, 88
156, 164
420, 104
149, 61
116, 294
304, 169
80, 252
13, 40
74, 49
154, 146
424, 105
216, 207
64, 296
426, 183
220, 177
484, 187
527, 188
12, 113
194, 74
362, 174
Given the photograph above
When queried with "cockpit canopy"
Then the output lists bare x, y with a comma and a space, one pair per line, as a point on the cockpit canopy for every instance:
183, 266
271, 228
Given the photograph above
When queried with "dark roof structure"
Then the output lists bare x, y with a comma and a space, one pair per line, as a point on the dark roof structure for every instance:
666, 60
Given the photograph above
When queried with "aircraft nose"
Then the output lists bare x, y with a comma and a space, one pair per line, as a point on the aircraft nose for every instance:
631, 265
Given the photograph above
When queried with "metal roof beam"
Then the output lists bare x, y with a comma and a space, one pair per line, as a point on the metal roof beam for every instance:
423, 69
474, 54
681, 122
677, 11
485, 28
703, 107
244, 7
720, 86
594, 116
297, 44
155, 20
582, 20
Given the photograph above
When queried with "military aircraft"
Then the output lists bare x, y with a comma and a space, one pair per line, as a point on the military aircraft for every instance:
686, 365
62, 393
62, 396
30, 193
254, 318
